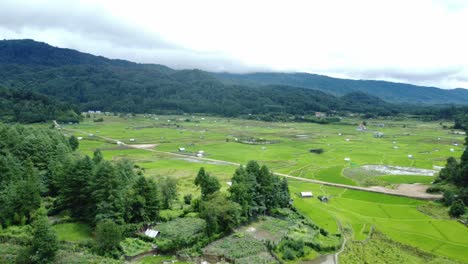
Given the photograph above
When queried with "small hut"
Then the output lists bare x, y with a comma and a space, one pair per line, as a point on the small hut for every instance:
306, 194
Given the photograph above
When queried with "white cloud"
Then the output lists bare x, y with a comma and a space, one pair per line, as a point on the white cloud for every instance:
417, 41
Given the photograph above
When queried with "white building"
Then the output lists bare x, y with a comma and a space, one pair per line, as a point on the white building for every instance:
151, 233
306, 194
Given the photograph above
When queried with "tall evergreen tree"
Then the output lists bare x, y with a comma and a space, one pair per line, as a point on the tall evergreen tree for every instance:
143, 201
107, 193
168, 190
74, 143
97, 156
75, 191
44, 243
208, 184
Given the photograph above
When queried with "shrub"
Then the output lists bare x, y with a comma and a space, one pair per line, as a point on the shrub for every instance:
457, 209
188, 199
317, 150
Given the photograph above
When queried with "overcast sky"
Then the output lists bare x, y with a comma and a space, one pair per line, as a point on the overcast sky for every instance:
417, 41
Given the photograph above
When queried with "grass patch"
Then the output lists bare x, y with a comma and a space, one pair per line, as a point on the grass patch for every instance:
398, 179
381, 249
73, 232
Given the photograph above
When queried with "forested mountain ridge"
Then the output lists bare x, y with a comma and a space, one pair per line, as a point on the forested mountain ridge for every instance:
97, 83
390, 91
93, 82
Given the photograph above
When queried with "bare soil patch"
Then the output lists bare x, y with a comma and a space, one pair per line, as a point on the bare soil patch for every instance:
415, 190
143, 146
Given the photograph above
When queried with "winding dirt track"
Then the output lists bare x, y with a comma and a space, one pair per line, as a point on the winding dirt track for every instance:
417, 195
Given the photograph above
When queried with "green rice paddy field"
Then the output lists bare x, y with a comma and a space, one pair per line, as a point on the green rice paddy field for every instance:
356, 211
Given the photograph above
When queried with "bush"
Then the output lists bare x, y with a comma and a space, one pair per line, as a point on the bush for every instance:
188, 199
457, 209
317, 150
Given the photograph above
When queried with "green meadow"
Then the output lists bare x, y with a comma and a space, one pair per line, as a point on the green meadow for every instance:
354, 212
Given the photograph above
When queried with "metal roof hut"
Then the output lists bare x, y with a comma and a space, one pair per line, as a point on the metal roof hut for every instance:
306, 194
151, 233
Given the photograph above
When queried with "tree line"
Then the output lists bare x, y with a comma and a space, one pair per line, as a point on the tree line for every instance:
453, 181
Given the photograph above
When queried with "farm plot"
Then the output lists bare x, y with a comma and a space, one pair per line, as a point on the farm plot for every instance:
396, 217
427, 143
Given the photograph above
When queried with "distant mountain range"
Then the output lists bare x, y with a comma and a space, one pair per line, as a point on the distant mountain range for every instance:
390, 91
94, 82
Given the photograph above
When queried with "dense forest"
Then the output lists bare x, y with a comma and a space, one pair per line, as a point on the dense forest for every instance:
97, 83
29, 107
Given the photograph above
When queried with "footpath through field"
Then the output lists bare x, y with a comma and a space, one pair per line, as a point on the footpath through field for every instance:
423, 196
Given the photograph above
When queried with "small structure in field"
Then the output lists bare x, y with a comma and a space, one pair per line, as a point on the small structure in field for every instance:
410, 156
120, 143
452, 150
201, 152
395, 147
132, 140
347, 159
323, 199
361, 127
306, 194
339, 134
378, 135
347, 139
151, 233
199, 155
229, 183
79, 138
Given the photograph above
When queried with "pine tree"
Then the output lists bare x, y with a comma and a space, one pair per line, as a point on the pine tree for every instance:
464, 157
144, 202
75, 191
26, 194
107, 192
74, 143
44, 243
207, 183
168, 190
97, 156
